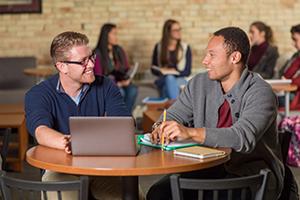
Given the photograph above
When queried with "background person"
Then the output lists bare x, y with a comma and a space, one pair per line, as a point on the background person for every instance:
291, 68
263, 54
172, 56
112, 61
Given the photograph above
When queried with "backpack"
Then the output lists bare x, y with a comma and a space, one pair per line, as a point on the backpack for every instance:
292, 124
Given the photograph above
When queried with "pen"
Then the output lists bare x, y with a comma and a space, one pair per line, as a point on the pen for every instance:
163, 138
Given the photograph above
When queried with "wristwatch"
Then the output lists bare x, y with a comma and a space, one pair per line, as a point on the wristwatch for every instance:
155, 125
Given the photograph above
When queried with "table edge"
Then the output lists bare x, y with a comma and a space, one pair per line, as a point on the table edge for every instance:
126, 172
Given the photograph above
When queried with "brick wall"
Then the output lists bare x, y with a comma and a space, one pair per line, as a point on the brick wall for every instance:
140, 23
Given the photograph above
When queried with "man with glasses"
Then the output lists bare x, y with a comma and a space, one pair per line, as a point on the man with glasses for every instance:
74, 91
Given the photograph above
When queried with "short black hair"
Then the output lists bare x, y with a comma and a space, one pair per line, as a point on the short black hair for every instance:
295, 29
235, 39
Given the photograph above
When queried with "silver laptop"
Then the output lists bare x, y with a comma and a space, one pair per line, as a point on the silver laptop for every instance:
102, 136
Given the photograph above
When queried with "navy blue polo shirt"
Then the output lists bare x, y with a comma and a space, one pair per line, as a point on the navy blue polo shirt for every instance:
49, 106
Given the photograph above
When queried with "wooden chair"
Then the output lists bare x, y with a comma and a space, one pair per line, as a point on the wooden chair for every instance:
24, 189
255, 184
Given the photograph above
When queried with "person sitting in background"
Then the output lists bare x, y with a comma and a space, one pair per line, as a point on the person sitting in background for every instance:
112, 61
173, 61
263, 54
290, 70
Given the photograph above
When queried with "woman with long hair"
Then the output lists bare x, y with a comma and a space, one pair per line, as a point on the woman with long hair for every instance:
112, 61
263, 54
171, 60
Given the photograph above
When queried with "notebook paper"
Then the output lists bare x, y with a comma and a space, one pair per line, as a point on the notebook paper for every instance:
199, 152
145, 140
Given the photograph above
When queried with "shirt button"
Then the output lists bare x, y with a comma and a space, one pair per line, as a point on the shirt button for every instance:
232, 101
229, 95
237, 115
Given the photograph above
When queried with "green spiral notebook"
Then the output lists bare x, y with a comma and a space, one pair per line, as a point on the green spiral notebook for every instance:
145, 140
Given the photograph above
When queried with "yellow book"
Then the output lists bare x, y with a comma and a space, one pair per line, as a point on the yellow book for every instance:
199, 152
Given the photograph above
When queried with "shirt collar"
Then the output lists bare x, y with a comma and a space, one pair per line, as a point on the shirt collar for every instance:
83, 91
239, 86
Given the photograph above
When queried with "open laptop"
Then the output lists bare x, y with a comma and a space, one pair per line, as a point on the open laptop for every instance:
102, 136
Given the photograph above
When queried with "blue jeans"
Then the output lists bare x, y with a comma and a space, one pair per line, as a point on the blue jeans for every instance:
129, 94
169, 86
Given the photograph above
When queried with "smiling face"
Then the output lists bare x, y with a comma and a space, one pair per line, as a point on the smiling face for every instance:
216, 60
296, 40
79, 73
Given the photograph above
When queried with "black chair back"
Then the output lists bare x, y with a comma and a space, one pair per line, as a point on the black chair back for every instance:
284, 140
290, 187
4, 149
255, 184
13, 188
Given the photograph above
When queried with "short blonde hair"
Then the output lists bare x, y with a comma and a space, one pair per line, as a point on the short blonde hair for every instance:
63, 42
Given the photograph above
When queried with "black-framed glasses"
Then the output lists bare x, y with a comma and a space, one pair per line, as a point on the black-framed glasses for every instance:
84, 62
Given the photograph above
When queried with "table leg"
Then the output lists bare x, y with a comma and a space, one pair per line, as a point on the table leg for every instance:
287, 104
23, 143
130, 188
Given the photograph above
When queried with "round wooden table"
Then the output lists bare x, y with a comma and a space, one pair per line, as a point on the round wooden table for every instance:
148, 162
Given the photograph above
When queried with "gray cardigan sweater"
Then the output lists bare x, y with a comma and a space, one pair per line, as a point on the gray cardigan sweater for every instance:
253, 135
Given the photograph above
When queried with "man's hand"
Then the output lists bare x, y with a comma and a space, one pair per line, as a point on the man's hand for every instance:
67, 143
155, 136
51, 138
172, 131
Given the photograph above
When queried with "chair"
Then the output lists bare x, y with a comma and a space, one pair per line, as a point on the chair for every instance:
284, 140
32, 189
290, 187
4, 149
255, 184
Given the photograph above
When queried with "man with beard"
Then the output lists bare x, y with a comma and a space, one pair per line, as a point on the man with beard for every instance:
228, 106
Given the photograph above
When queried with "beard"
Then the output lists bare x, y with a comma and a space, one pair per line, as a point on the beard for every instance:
87, 78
